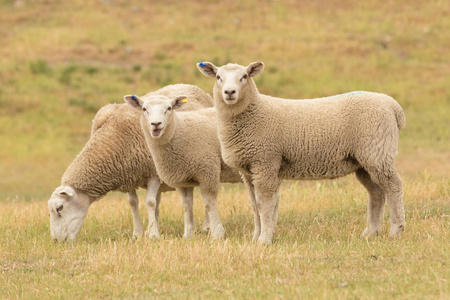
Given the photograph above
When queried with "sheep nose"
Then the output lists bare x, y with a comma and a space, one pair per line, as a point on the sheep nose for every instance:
156, 124
230, 92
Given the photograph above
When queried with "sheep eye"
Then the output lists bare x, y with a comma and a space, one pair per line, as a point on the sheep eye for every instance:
59, 208
144, 109
169, 109
245, 76
218, 77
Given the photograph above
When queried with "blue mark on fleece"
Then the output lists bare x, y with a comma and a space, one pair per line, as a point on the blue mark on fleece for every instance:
353, 93
350, 93
202, 64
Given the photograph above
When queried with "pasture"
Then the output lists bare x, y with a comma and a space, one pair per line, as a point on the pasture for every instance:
61, 61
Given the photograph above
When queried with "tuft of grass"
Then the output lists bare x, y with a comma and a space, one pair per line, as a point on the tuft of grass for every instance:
67, 73
83, 104
40, 66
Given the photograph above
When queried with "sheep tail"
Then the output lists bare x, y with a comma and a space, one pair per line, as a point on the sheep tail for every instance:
399, 115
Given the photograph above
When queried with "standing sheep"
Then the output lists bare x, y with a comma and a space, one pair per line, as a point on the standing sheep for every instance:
270, 139
116, 157
186, 152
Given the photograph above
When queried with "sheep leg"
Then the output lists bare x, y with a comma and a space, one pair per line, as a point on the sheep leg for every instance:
390, 182
207, 223
396, 209
267, 200
187, 199
133, 199
375, 205
152, 204
210, 200
158, 201
251, 192
275, 212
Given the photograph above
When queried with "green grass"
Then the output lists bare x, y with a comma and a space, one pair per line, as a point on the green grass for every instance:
61, 61
65, 60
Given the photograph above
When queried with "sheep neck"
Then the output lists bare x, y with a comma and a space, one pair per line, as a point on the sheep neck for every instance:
88, 174
106, 162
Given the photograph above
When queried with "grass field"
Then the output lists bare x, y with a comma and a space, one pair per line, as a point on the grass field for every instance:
317, 252
60, 61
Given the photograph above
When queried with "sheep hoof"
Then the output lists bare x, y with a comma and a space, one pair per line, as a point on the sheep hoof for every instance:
136, 237
218, 232
265, 239
153, 235
396, 230
370, 232
256, 235
187, 236
188, 233
137, 234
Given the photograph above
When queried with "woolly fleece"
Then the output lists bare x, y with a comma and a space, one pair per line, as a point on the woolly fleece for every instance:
116, 156
270, 139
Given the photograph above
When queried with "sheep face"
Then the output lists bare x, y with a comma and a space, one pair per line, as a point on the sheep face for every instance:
231, 79
68, 208
157, 111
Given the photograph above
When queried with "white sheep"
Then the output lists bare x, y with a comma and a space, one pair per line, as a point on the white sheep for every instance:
116, 157
186, 152
270, 139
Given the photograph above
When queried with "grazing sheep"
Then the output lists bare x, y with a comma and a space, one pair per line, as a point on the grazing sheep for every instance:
270, 139
116, 157
186, 152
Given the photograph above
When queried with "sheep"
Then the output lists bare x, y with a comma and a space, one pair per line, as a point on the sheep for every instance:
186, 152
116, 157
270, 139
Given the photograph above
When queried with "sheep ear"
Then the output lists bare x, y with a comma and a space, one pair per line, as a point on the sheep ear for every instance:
255, 68
178, 101
208, 69
67, 191
133, 101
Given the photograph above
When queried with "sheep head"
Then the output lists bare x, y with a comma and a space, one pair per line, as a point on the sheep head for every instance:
157, 111
68, 208
231, 79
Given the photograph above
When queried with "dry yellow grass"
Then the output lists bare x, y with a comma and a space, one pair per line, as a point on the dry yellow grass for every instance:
317, 253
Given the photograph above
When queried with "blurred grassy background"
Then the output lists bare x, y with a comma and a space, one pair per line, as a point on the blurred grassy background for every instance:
60, 61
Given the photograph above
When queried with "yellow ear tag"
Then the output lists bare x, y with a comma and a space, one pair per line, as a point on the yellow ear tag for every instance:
184, 100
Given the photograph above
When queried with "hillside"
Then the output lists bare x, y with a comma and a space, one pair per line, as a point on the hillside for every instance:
60, 62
